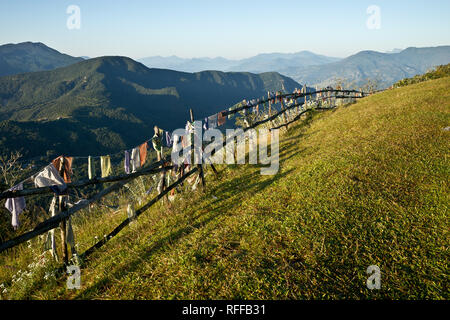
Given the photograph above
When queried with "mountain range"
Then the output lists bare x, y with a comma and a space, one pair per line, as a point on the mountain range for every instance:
385, 68
30, 57
264, 62
304, 66
318, 70
57, 104
107, 104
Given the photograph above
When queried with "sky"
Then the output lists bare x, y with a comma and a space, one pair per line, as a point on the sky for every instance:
228, 28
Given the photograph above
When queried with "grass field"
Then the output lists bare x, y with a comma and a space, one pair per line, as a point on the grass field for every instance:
366, 184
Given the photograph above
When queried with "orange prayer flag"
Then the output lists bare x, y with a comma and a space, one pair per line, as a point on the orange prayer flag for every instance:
221, 119
143, 153
67, 170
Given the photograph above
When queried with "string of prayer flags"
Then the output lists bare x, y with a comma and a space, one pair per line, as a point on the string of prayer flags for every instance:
156, 142
221, 119
212, 121
184, 141
64, 164
177, 140
189, 138
135, 160
49, 177
189, 127
15, 206
169, 141
51, 243
126, 162
91, 168
105, 164
143, 152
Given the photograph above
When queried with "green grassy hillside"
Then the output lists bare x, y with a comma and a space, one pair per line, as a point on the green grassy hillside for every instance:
441, 71
366, 184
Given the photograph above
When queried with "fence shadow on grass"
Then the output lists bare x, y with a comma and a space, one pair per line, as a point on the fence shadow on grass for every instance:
246, 182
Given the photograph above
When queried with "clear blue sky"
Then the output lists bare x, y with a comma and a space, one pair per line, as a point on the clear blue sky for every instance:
228, 28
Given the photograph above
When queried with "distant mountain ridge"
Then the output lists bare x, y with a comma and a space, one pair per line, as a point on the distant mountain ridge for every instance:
312, 69
30, 57
265, 62
387, 68
304, 66
106, 104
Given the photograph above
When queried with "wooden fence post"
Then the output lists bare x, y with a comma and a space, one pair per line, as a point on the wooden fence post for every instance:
306, 91
284, 114
62, 206
160, 157
316, 96
63, 225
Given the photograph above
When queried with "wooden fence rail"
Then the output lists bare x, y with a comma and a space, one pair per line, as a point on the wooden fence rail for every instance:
153, 168
276, 115
141, 210
293, 96
54, 221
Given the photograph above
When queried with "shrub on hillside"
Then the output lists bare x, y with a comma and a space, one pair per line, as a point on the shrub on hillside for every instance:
439, 72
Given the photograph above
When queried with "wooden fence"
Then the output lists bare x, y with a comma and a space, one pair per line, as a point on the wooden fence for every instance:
158, 167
